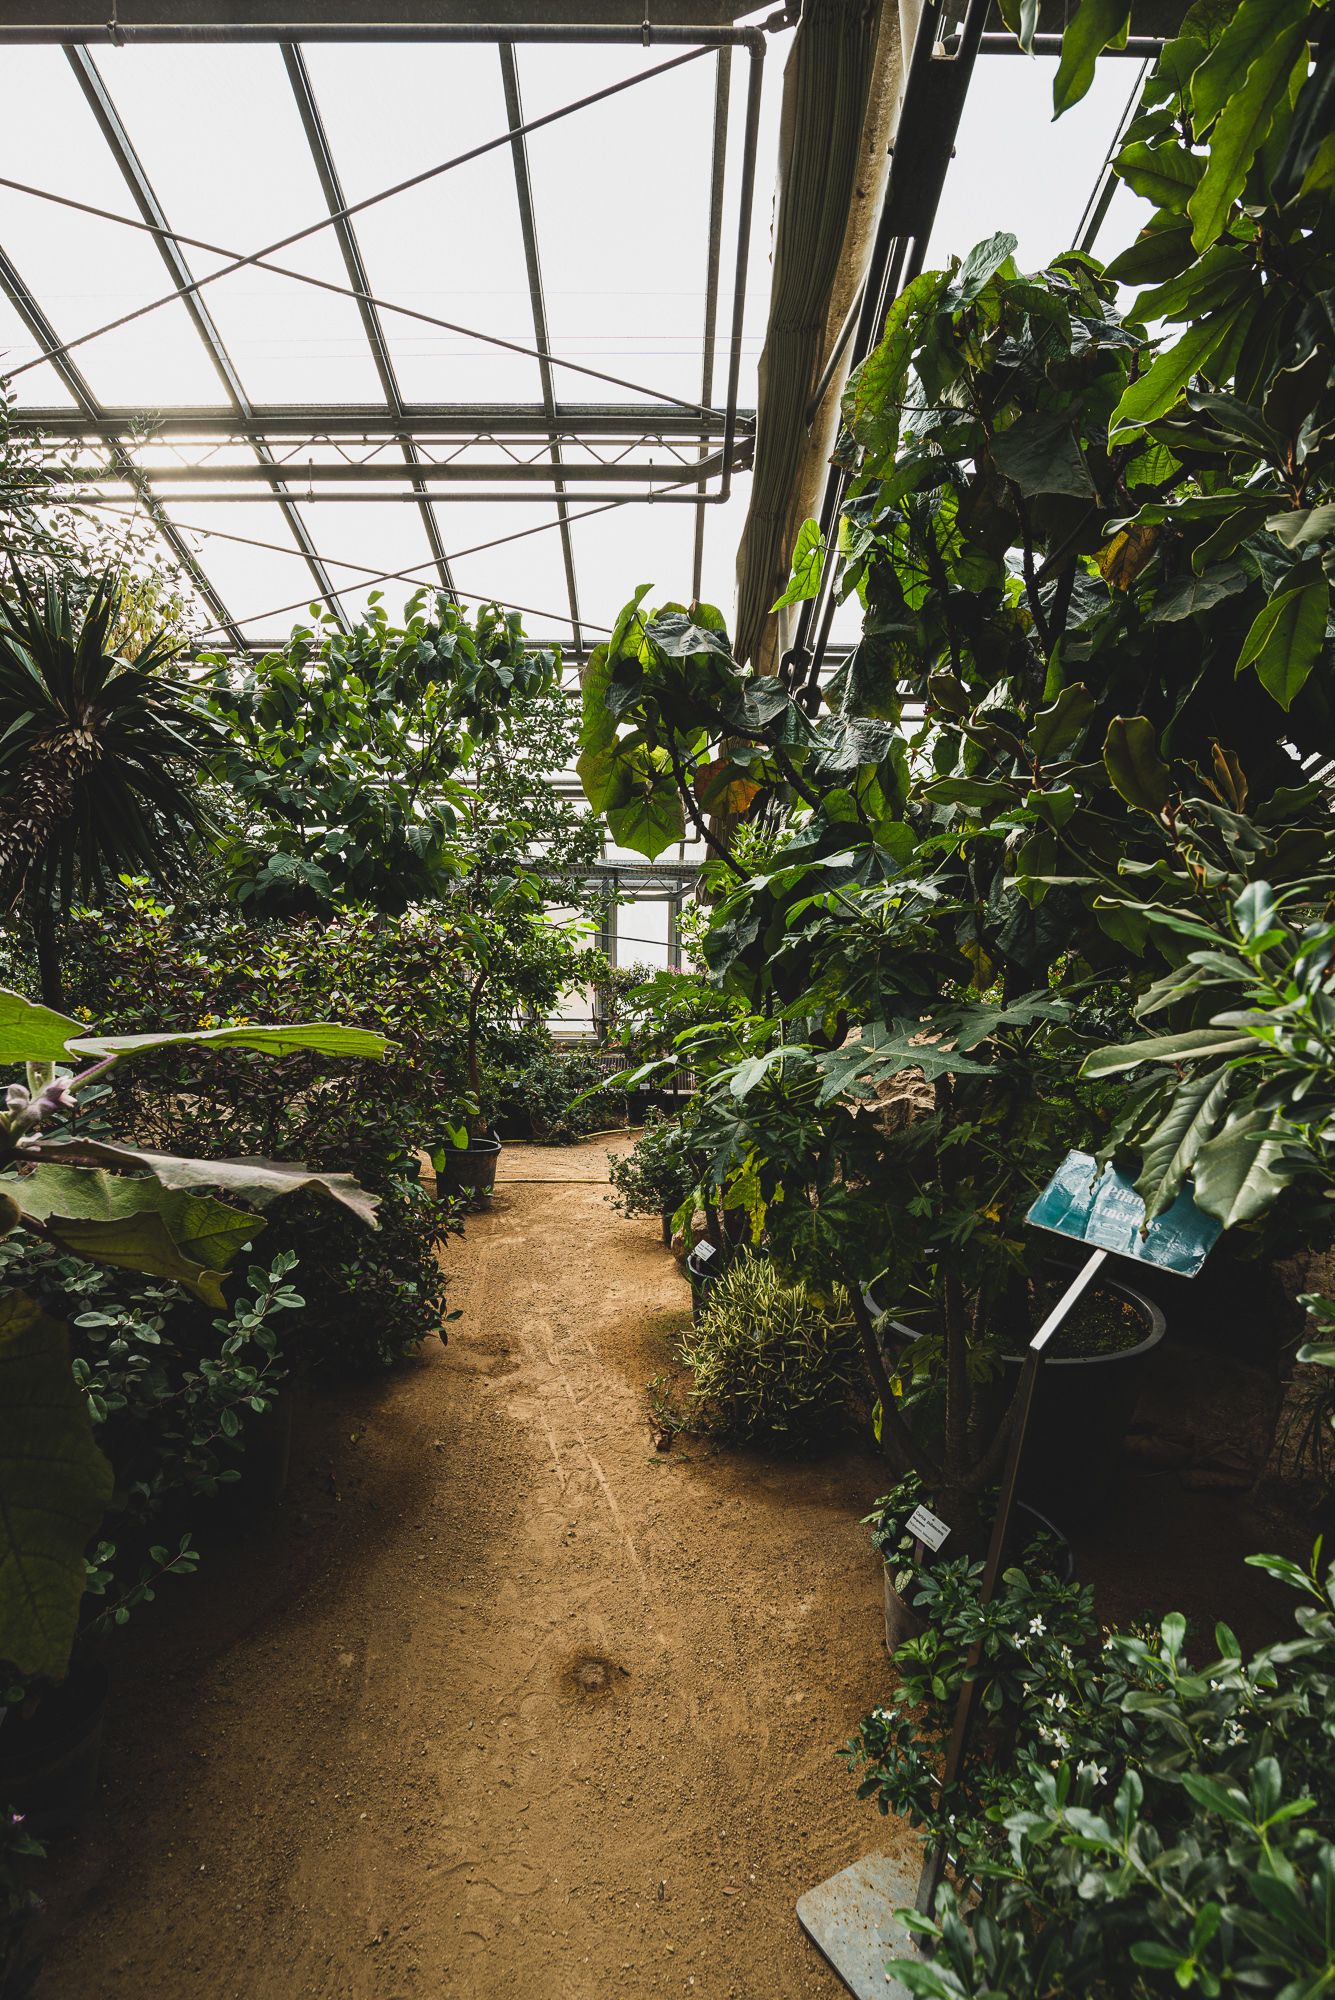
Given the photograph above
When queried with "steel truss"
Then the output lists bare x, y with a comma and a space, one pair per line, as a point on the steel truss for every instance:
663, 449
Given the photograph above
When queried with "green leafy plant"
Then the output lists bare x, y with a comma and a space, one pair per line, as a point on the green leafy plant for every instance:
1130, 1822
150, 1214
770, 1359
100, 753
660, 1171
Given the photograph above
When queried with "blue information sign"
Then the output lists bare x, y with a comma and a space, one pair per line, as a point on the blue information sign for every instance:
1104, 1211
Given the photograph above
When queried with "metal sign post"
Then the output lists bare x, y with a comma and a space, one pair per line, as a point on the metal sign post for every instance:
1100, 1209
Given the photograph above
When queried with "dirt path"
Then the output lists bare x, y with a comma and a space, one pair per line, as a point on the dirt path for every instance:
503, 1703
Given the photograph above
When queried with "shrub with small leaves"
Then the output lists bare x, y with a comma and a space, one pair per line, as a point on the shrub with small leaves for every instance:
1129, 1823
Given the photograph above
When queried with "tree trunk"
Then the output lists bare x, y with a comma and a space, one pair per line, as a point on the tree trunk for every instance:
48, 955
42, 800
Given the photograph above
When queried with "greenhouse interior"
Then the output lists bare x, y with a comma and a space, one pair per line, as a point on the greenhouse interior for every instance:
667, 830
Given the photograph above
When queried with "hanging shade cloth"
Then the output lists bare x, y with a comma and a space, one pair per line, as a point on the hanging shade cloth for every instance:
841, 90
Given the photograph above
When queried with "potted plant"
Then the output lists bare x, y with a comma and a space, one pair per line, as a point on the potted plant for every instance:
660, 1171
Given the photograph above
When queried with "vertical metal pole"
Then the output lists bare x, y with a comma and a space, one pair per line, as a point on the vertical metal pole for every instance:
934, 1866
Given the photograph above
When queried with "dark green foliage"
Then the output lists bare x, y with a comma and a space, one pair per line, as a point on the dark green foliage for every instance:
662, 1168
1151, 1824
99, 753
556, 1093
369, 765
370, 1296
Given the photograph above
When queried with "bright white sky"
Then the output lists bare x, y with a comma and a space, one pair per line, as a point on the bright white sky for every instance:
621, 192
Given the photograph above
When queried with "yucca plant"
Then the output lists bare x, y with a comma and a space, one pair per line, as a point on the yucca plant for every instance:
99, 754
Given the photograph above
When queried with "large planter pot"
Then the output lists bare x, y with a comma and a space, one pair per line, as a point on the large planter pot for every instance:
665, 1216
903, 1622
1082, 1407
49, 1760
469, 1169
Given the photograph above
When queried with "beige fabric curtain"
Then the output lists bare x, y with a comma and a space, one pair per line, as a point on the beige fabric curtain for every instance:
841, 92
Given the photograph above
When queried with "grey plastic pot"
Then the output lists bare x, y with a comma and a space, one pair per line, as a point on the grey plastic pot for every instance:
470, 1169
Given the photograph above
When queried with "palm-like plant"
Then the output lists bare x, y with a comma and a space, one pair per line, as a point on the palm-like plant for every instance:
99, 754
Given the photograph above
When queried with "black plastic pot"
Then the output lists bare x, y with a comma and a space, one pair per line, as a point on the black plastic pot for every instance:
903, 1622
49, 1760
469, 1169
1082, 1407
702, 1272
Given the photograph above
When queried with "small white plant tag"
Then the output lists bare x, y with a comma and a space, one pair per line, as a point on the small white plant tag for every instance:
703, 1252
927, 1527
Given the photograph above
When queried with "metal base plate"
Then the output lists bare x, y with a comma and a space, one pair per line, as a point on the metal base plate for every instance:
851, 1920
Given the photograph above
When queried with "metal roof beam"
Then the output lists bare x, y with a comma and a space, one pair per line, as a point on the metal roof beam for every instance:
318, 141
42, 331
369, 421
150, 208
514, 112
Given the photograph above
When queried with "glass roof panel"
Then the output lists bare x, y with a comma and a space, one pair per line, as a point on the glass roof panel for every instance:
1015, 169
359, 541
627, 546
41, 386
451, 248
248, 552
623, 237
524, 570
288, 341
86, 272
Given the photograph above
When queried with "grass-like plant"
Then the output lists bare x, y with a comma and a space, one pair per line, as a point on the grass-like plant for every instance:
771, 1360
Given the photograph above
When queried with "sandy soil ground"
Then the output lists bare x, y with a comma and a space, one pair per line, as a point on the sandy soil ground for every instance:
503, 1702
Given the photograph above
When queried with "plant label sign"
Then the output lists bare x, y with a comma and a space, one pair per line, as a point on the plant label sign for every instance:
927, 1527
1104, 1211
704, 1252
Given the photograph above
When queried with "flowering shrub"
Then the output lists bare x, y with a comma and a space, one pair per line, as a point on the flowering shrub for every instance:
1151, 1826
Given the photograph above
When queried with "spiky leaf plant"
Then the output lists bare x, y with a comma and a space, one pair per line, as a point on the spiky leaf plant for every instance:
99, 754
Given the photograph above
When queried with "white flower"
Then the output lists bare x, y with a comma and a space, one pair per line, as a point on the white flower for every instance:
1057, 1701
1098, 1772
1037, 1626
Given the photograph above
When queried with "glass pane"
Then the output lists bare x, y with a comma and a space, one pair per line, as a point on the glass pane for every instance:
452, 247
623, 238
287, 341
248, 552
82, 271
525, 570
1014, 169
360, 541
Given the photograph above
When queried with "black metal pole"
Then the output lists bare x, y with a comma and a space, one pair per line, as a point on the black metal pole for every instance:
934, 1865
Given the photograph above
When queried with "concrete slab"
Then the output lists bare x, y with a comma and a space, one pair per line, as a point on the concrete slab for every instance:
850, 1918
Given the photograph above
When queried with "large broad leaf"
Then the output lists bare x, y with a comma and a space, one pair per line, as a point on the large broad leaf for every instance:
1059, 727
259, 1182
324, 1038
29, 1033
137, 1225
1040, 454
1162, 384
1242, 125
1169, 1154
808, 566
1191, 593
1188, 1046
1098, 23
873, 400
1131, 759
1241, 1171
1251, 33
1285, 641
54, 1488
